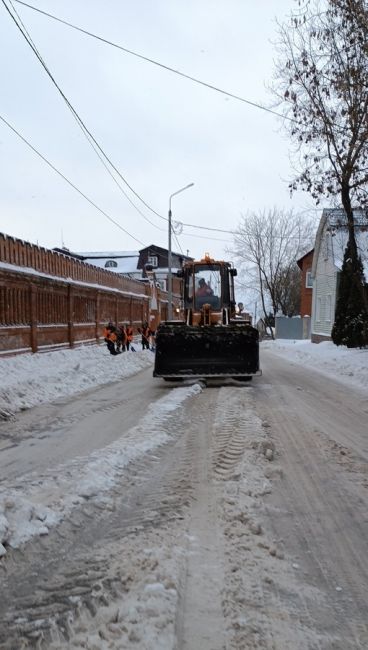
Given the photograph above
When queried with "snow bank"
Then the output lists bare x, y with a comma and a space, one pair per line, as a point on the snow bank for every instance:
27, 380
349, 366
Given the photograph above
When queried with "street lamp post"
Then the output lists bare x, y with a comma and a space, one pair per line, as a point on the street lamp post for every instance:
169, 274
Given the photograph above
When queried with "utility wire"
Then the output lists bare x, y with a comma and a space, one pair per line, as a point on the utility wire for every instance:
86, 197
228, 232
67, 180
160, 65
86, 131
189, 234
80, 122
178, 243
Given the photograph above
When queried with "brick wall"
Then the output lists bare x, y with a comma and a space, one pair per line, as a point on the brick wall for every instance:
49, 300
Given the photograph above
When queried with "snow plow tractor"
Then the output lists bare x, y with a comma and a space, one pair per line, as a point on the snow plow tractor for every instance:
211, 341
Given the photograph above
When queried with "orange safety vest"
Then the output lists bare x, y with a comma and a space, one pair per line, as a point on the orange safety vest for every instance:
108, 334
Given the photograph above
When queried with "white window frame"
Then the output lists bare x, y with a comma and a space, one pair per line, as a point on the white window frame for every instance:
152, 260
161, 284
111, 264
309, 280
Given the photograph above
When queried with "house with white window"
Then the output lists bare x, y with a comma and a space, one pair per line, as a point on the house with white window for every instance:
330, 244
158, 258
134, 263
122, 262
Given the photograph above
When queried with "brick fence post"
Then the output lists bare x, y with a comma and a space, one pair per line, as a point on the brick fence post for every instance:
70, 316
97, 316
33, 314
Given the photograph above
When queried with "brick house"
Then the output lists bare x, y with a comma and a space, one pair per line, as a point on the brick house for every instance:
306, 288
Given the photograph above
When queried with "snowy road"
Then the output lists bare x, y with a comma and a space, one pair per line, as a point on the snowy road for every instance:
192, 518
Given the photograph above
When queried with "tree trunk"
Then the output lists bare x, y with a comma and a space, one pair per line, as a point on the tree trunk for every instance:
345, 199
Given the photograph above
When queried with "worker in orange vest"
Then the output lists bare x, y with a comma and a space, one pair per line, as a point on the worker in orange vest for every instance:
111, 336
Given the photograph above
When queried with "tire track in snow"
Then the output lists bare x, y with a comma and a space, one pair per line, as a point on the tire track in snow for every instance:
39, 502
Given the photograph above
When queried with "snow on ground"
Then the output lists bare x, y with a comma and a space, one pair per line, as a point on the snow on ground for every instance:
28, 380
348, 366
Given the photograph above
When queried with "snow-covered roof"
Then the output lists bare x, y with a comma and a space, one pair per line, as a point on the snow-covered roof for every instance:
123, 261
334, 221
339, 241
109, 254
123, 264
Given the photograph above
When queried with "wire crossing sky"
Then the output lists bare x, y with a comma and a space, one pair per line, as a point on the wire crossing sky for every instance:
151, 124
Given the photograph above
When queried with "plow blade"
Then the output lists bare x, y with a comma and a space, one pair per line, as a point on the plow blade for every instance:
184, 351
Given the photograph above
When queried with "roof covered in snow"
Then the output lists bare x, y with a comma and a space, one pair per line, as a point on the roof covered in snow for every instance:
115, 261
334, 223
108, 254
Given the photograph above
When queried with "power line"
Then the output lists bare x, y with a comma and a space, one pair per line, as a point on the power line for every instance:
228, 232
157, 63
86, 197
187, 234
79, 121
83, 127
89, 135
178, 243
67, 180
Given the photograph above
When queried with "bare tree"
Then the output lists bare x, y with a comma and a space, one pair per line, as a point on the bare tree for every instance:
322, 85
289, 290
266, 247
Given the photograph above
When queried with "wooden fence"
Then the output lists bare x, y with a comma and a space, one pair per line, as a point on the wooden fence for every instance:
49, 300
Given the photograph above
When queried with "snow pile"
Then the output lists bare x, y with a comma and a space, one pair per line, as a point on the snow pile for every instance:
27, 380
51, 497
349, 366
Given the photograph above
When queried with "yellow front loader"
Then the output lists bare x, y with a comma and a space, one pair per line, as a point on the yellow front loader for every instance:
211, 341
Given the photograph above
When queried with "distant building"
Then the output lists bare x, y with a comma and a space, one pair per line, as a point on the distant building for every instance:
158, 258
122, 262
133, 263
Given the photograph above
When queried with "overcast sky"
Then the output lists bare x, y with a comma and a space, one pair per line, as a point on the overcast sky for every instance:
160, 130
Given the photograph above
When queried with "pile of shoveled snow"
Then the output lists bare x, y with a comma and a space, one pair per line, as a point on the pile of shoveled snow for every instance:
39, 502
27, 380
31, 379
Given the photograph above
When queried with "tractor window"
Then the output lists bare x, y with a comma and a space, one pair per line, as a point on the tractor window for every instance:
207, 286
